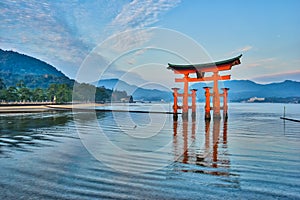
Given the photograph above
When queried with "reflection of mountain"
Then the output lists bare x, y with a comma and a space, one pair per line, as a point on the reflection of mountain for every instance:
138, 93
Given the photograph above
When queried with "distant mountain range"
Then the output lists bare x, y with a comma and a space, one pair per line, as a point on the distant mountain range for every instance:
245, 89
239, 90
36, 73
138, 93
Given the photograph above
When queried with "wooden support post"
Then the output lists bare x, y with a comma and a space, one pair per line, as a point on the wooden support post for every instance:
185, 106
207, 103
194, 102
216, 97
225, 101
175, 105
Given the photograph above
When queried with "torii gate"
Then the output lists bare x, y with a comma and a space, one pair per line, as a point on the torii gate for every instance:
199, 70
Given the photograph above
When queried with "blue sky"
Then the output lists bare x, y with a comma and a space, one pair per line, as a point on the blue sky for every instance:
64, 33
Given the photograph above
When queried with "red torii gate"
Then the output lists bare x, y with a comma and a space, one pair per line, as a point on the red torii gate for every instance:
199, 70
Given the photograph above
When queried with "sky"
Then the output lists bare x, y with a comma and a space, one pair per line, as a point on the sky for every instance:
134, 40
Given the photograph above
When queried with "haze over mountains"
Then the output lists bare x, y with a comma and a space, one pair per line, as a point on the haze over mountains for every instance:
36, 73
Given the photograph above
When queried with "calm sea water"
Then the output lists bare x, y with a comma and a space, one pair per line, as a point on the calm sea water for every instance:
115, 155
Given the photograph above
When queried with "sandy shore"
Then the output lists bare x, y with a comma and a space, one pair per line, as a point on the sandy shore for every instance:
44, 108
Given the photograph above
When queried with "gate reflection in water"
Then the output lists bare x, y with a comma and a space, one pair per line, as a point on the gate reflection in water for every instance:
208, 156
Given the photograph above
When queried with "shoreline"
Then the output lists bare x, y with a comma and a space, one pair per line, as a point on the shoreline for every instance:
80, 107
40, 107
11, 108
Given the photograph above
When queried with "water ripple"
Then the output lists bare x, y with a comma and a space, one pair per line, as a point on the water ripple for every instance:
253, 155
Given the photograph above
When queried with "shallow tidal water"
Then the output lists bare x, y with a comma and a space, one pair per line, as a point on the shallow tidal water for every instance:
120, 155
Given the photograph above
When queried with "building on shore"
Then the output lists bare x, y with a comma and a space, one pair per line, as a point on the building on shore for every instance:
255, 99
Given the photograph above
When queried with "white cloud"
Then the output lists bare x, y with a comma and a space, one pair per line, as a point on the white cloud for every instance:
62, 33
136, 15
245, 48
140, 14
132, 59
41, 28
241, 50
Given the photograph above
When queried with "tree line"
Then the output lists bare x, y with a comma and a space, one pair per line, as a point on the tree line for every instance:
58, 93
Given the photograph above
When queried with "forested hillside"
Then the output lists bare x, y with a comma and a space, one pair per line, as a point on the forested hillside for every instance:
15, 67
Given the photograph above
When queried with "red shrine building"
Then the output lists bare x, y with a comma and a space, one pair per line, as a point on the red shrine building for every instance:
196, 73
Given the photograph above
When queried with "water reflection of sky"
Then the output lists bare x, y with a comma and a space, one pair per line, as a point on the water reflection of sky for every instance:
23, 131
252, 155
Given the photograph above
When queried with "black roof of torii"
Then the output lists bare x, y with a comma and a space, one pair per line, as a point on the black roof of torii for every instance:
200, 67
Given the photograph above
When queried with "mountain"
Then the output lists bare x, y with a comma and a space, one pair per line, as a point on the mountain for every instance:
34, 72
245, 89
117, 84
138, 93
239, 90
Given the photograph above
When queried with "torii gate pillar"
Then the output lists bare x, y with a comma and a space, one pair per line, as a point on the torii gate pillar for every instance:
185, 100
175, 105
207, 103
216, 96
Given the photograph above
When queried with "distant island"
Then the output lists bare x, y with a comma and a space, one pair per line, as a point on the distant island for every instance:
24, 78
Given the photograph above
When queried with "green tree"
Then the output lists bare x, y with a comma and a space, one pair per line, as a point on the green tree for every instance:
84, 92
39, 95
24, 94
61, 93
12, 94
102, 94
3, 91
3, 95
